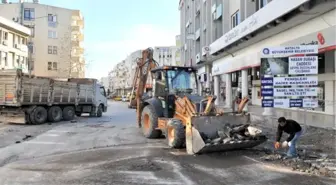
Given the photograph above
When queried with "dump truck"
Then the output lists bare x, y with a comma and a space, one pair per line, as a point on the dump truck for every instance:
30, 99
186, 119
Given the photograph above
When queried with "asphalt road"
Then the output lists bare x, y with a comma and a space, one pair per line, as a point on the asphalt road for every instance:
111, 150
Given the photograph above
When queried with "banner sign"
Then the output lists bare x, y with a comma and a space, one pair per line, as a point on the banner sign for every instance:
300, 91
289, 50
303, 65
267, 92
289, 81
266, 81
290, 103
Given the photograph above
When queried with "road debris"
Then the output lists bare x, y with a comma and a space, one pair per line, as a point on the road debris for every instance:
234, 134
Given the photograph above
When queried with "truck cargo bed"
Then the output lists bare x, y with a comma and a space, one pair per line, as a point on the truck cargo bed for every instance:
17, 89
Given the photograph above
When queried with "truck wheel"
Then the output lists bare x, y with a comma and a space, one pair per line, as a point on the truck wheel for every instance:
149, 122
68, 113
100, 111
38, 116
175, 133
55, 114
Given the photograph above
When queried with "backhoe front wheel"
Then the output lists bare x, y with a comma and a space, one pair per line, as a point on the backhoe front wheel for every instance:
149, 122
175, 133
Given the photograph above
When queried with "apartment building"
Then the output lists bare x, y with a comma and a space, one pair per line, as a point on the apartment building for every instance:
56, 42
13, 45
122, 76
224, 40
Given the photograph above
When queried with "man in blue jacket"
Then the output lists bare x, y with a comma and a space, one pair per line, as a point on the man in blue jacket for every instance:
294, 130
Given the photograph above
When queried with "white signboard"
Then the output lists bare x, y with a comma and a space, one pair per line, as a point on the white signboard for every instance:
288, 92
283, 51
281, 103
310, 103
285, 103
291, 81
303, 65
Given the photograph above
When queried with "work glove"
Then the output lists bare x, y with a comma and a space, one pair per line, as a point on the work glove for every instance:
277, 145
284, 144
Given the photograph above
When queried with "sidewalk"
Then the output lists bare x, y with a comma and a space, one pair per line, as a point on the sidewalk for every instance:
314, 119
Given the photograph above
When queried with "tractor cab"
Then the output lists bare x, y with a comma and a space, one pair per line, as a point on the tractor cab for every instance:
174, 80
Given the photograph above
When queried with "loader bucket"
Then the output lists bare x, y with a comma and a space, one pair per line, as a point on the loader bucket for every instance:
202, 134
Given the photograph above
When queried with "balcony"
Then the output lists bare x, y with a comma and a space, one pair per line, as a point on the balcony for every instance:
272, 19
77, 44
76, 29
76, 14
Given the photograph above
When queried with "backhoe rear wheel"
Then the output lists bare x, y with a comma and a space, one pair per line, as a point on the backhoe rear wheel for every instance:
175, 134
149, 123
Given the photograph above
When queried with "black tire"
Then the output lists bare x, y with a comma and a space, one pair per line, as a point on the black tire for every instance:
100, 111
55, 114
149, 122
175, 134
78, 114
38, 116
68, 113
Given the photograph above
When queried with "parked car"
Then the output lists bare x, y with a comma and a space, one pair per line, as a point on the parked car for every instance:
124, 98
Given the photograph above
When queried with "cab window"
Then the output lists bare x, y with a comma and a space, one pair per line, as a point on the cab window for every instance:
102, 91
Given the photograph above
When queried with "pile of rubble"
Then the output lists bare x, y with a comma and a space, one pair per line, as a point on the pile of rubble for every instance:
325, 167
230, 134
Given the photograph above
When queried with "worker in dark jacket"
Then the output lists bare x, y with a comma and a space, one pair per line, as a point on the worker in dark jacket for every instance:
293, 129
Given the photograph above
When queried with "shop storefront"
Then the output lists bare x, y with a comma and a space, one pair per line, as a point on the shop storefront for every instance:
242, 70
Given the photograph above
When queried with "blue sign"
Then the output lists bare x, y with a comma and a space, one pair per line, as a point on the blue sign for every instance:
267, 81
267, 92
266, 51
267, 103
295, 103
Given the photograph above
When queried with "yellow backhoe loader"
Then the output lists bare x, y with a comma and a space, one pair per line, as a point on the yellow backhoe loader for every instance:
183, 117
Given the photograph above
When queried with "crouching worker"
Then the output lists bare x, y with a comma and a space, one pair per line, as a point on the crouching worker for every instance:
294, 130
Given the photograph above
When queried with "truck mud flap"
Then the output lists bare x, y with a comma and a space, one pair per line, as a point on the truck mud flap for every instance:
206, 134
17, 118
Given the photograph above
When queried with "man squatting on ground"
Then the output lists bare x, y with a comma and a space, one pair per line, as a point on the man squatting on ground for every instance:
294, 130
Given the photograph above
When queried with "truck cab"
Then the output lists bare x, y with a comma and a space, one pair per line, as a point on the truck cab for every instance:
101, 97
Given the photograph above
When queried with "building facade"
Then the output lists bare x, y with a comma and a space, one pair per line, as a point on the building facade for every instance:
13, 45
234, 32
56, 37
122, 76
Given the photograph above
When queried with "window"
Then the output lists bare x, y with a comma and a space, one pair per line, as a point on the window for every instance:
4, 57
55, 50
261, 3
52, 66
180, 80
5, 35
49, 66
32, 30
55, 66
52, 34
235, 19
49, 49
30, 47
102, 91
52, 20
29, 14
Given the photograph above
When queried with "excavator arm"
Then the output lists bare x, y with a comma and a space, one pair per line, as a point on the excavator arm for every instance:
144, 65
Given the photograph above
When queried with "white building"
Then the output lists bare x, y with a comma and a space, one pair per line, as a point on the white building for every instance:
105, 82
56, 42
233, 61
166, 55
13, 45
